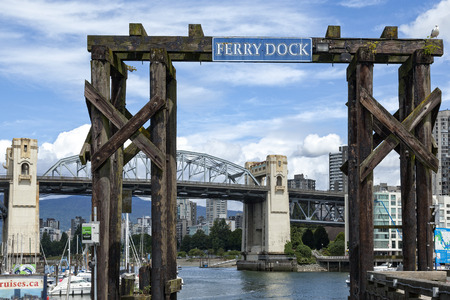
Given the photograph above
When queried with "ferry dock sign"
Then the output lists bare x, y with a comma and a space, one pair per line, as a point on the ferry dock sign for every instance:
262, 49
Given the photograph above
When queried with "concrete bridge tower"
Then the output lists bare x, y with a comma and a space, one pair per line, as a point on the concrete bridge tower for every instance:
267, 224
21, 226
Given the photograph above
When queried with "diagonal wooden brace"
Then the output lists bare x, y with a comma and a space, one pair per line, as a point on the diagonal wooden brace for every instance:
120, 121
400, 131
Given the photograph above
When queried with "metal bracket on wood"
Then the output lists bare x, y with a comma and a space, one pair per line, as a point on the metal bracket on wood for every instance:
173, 286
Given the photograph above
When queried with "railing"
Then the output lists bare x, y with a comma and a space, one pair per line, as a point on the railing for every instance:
408, 285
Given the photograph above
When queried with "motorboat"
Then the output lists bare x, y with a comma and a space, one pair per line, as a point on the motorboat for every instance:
384, 267
78, 286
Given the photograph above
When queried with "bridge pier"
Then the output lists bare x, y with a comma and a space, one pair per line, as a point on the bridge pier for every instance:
20, 238
267, 224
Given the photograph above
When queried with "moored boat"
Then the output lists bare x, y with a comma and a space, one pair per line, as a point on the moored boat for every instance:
78, 286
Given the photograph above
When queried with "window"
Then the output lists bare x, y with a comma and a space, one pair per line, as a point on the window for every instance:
25, 169
279, 181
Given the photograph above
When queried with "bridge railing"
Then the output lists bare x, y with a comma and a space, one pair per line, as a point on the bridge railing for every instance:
191, 166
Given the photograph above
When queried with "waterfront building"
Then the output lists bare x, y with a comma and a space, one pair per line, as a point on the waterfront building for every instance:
336, 178
301, 182
387, 211
441, 179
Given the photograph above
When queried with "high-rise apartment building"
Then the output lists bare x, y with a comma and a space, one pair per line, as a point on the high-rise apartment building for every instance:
301, 182
441, 179
337, 179
215, 209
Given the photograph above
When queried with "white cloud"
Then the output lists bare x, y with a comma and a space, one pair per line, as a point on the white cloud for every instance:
66, 144
314, 146
361, 3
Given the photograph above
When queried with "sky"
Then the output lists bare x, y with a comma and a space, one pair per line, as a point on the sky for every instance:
236, 111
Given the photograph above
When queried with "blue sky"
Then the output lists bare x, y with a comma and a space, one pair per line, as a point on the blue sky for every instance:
236, 111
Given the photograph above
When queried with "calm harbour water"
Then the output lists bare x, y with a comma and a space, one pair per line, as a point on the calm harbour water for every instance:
230, 284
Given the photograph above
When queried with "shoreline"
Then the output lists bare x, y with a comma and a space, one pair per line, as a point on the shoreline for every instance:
195, 262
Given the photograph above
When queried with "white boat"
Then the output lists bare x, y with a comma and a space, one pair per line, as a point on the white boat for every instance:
384, 267
78, 286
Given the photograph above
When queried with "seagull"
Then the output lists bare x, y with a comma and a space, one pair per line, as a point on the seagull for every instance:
435, 32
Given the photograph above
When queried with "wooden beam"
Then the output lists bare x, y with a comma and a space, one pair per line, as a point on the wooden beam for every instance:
100, 52
136, 29
126, 131
199, 48
426, 107
390, 32
196, 31
399, 131
333, 32
119, 120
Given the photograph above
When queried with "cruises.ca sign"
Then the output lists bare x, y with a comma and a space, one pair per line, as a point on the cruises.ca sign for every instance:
262, 49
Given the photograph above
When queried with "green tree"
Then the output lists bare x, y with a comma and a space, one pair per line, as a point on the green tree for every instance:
186, 243
303, 254
336, 248
235, 242
220, 235
308, 238
296, 236
200, 240
196, 252
146, 241
288, 249
321, 239
46, 244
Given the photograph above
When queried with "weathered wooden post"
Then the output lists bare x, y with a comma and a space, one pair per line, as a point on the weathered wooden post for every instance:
359, 77
163, 135
101, 185
407, 171
421, 86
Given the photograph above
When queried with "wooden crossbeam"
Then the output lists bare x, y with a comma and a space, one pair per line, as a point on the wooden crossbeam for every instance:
124, 133
400, 132
119, 120
197, 47
427, 106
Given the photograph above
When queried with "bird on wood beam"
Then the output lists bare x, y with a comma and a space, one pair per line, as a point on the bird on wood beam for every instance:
435, 32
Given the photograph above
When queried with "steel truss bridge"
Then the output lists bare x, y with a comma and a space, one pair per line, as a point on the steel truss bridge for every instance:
200, 176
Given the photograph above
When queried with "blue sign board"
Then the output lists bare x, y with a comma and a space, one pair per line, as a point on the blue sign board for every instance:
262, 49
442, 245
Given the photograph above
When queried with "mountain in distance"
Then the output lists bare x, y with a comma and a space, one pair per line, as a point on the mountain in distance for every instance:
66, 208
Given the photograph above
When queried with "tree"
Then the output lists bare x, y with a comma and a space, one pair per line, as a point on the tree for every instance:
186, 243
308, 238
296, 236
321, 239
220, 235
235, 242
200, 240
46, 244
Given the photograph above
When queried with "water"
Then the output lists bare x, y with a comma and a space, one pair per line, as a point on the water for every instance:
230, 284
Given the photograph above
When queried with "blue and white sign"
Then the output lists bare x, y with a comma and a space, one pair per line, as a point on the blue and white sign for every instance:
442, 245
262, 49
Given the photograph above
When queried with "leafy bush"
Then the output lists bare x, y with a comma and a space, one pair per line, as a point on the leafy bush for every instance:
196, 252
336, 248
181, 254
